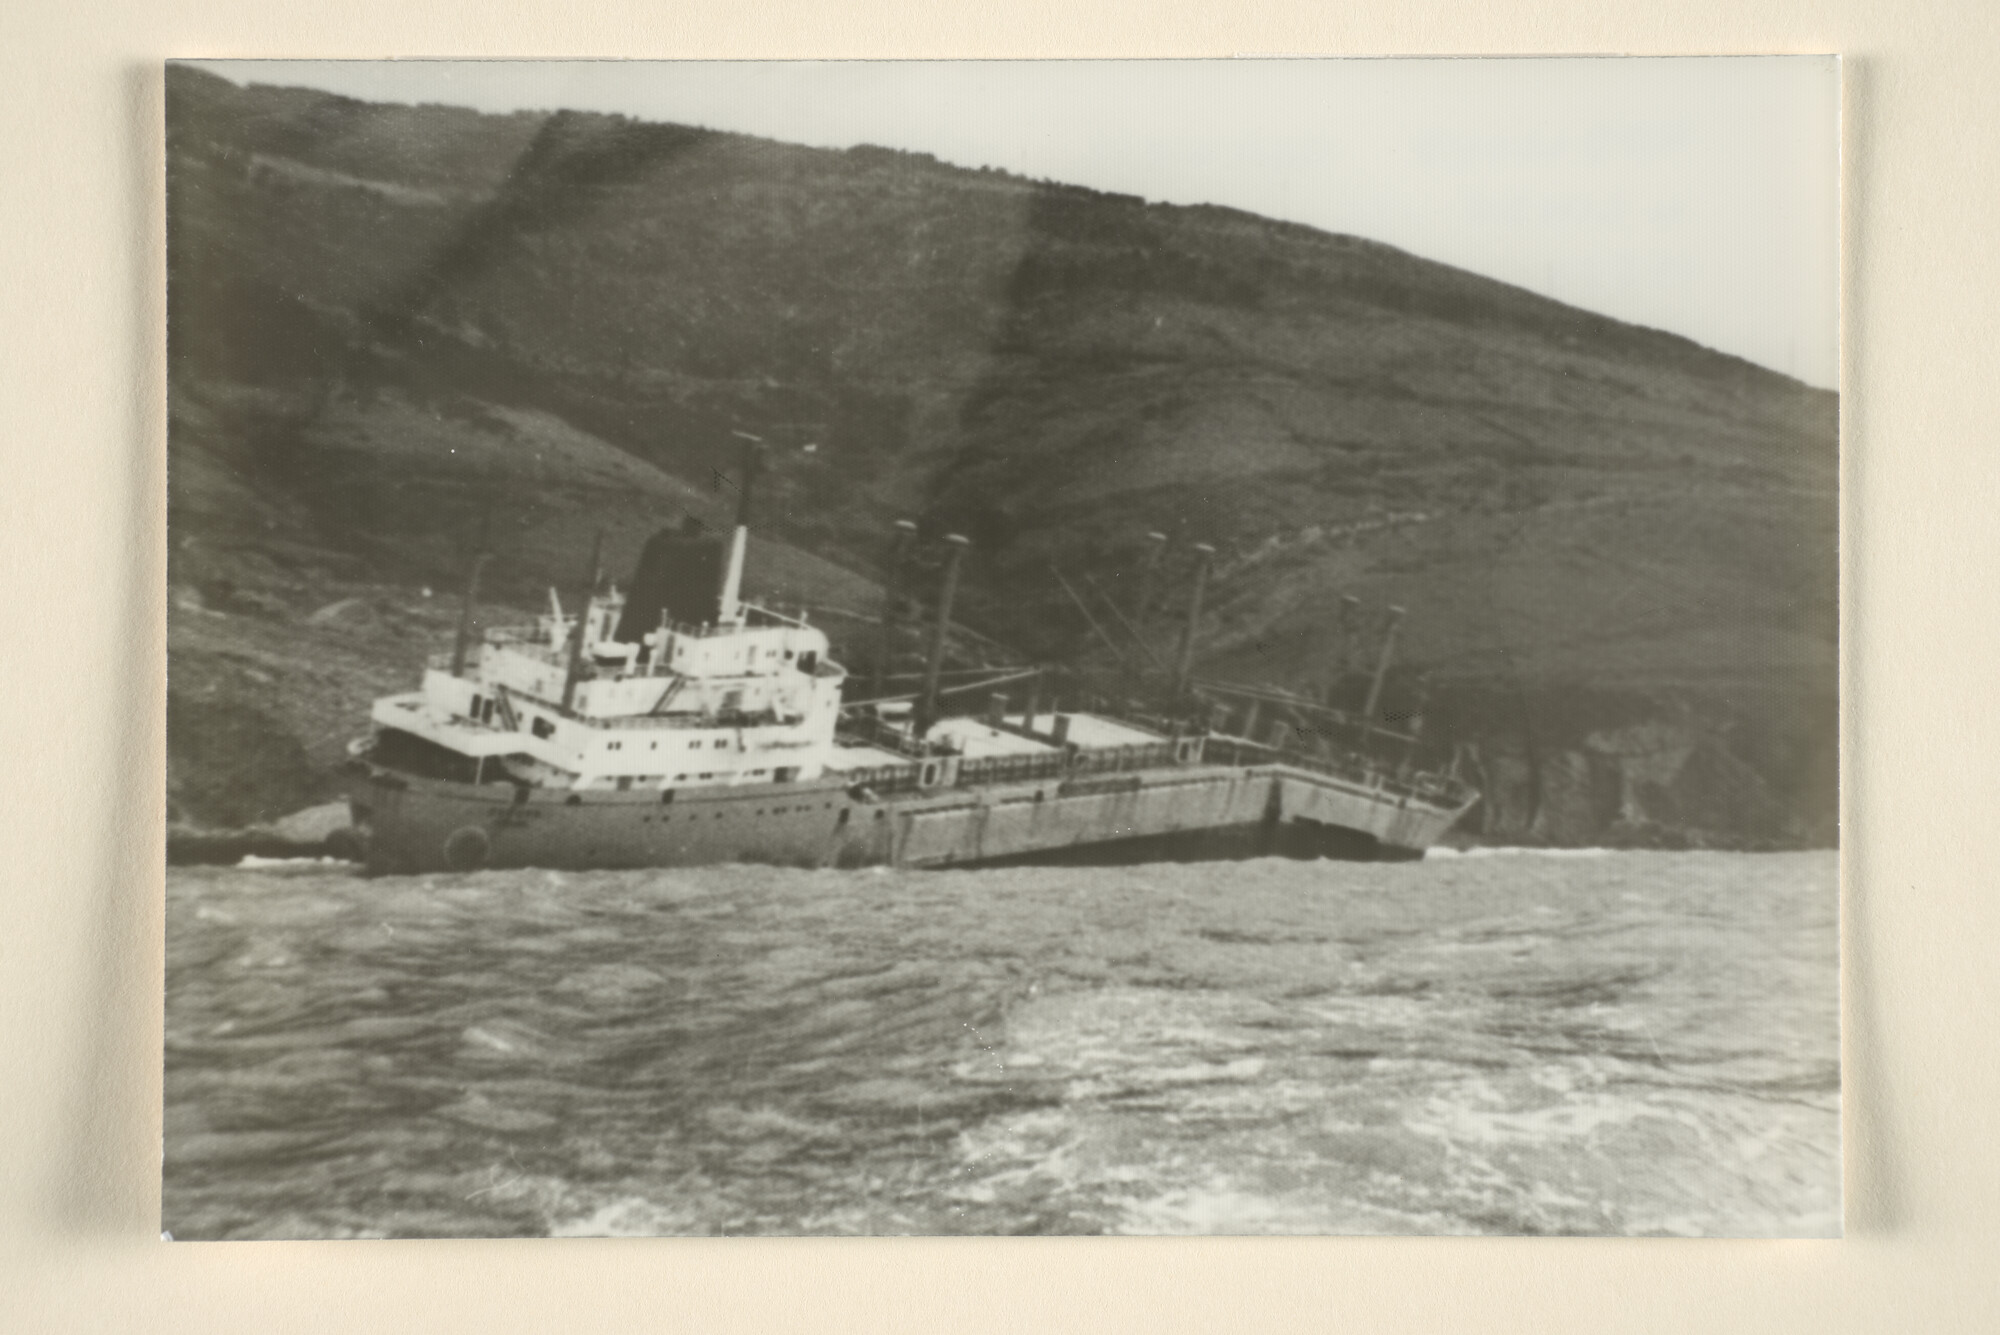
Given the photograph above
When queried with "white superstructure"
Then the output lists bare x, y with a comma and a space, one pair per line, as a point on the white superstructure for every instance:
752, 699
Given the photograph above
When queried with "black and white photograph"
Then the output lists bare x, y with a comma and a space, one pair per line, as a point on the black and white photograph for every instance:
1003, 647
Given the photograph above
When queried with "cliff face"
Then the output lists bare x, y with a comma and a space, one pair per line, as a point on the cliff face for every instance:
394, 328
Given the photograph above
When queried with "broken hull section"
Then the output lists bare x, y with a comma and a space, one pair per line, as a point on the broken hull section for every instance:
414, 824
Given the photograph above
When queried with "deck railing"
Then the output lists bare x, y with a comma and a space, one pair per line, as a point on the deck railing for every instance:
1012, 769
1120, 759
883, 779
1355, 771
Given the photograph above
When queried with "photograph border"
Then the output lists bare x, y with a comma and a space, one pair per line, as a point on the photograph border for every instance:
84, 1045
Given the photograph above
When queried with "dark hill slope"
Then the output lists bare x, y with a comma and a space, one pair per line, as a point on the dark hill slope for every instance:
1600, 530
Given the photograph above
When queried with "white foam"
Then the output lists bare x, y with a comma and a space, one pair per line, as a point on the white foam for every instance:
1513, 851
251, 862
1453, 1120
628, 1217
1220, 1207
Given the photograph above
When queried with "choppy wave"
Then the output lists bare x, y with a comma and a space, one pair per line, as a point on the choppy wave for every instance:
1605, 1044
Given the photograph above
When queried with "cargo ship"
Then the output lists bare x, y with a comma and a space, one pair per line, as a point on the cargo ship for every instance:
677, 723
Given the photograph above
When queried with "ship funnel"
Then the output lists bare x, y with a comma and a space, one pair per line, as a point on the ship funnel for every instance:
1184, 665
678, 579
934, 664
731, 601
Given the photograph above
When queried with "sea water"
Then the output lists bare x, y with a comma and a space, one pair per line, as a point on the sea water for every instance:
1627, 1043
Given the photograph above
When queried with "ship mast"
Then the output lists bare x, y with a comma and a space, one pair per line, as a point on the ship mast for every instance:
1184, 664
731, 610
1382, 661
462, 641
574, 672
1142, 606
926, 715
895, 577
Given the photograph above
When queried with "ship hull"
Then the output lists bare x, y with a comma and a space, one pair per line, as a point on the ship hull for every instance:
415, 824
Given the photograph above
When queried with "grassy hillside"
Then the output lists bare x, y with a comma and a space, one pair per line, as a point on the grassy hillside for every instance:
393, 328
